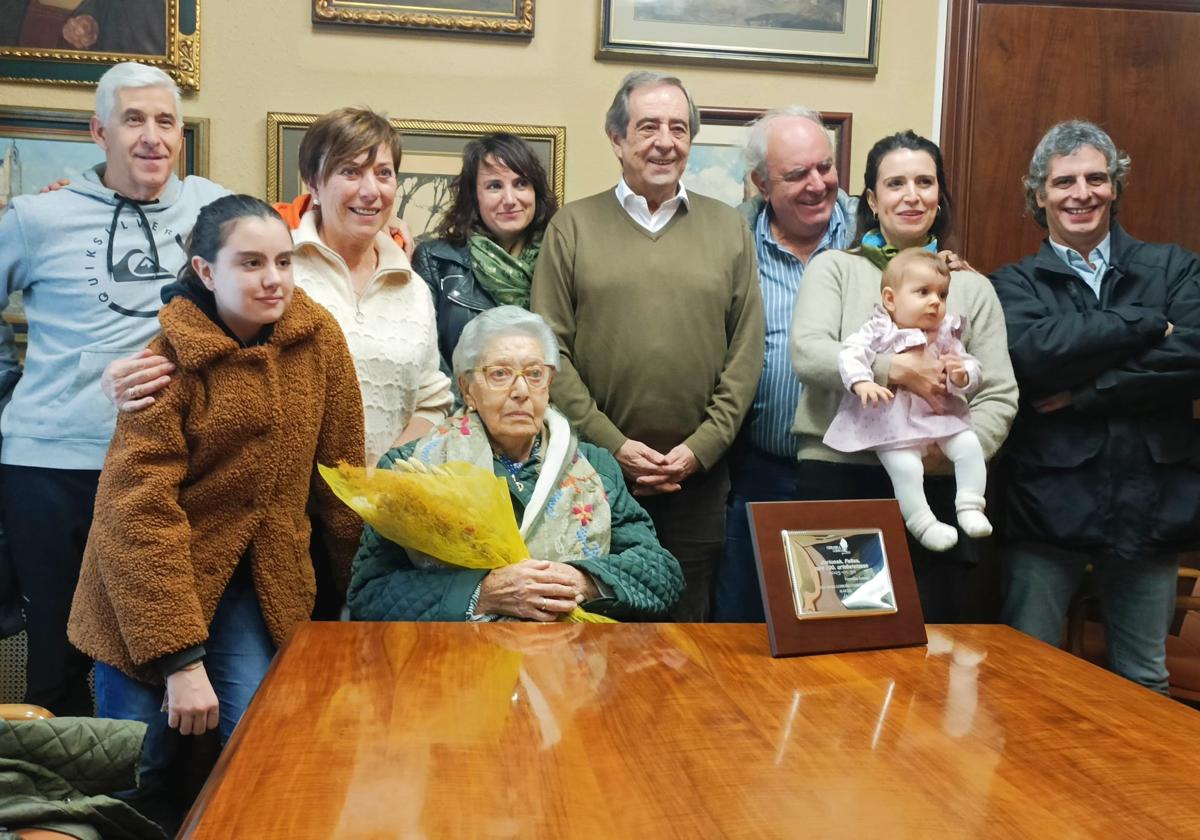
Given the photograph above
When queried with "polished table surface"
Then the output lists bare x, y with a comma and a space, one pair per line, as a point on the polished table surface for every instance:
689, 730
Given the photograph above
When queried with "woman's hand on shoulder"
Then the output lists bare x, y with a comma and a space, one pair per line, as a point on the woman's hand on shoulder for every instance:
191, 702
399, 230
534, 589
131, 383
55, 186
954, 262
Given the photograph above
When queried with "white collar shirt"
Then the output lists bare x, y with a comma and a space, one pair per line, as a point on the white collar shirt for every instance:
638, 210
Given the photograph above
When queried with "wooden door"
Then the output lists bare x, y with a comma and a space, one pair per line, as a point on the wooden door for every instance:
1015, 68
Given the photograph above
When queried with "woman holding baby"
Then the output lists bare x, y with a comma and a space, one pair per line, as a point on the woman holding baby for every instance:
904, 205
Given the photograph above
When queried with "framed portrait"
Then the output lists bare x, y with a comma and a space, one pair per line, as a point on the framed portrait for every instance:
835, 576
38, 147
432, 157
476, 17
826, 35
73, 42
715, 167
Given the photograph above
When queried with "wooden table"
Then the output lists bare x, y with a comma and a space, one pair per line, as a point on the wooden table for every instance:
640, 731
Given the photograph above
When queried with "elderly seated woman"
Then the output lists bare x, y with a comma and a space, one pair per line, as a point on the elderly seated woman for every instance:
592, 545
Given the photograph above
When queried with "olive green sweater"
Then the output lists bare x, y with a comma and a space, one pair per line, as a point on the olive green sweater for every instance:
661, 333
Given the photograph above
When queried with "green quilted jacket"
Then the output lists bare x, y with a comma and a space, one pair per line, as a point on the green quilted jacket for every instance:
55, 774
644, 578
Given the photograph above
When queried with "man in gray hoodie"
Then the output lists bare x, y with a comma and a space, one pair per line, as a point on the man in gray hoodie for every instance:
89, 261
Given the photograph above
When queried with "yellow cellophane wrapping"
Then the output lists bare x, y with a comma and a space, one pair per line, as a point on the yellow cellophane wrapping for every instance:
457, 512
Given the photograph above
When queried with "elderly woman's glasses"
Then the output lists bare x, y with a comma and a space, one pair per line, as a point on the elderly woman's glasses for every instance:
501, 377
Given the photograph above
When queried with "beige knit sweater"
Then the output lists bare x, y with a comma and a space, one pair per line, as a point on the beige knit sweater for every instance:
390, 329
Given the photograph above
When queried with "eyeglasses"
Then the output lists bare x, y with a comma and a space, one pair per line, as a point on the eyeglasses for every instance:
501, 377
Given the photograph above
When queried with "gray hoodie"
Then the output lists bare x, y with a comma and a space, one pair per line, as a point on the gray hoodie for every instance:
90, 264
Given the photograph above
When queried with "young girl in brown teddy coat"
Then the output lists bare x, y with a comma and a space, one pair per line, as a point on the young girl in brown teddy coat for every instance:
197, 566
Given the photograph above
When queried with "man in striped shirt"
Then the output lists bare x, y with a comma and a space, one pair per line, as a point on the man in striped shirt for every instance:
800, 213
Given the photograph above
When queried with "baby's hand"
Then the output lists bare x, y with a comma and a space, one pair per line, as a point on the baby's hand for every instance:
955, 369
871, 392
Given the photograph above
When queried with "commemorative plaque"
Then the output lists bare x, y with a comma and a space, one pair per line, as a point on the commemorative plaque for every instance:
835, 576
838, 573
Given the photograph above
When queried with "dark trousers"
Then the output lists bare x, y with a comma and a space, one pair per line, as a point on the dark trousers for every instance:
47, 515
755, 476
949, 582
691, 525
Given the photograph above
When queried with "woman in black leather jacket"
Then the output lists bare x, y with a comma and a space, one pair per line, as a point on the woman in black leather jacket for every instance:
488, 242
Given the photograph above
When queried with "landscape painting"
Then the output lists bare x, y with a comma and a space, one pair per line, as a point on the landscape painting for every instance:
839, 36
824, 15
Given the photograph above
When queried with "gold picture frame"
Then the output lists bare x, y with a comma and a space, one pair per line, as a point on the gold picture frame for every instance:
510, 18
27, 53
827, 36
432, 157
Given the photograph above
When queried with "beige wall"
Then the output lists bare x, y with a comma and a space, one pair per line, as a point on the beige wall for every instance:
265, 55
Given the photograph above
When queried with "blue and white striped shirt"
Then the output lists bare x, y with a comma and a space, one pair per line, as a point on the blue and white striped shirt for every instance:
779, 273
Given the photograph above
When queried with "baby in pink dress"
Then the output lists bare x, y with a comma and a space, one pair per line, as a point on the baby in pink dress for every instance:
901, 427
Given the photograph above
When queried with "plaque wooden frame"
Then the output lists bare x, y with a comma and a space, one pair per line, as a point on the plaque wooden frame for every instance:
792, 636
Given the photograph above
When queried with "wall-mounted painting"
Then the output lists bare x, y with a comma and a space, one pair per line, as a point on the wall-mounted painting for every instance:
432, 157
74, 41
475, 17
826, 35
715, 167
39, 147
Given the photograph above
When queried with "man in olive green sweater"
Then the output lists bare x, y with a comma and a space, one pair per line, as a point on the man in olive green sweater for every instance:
653, 294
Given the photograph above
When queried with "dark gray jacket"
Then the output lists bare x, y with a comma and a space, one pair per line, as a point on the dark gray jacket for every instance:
1118, 470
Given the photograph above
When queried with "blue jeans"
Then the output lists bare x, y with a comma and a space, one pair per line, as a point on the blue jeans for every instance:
237, 654
1136, 599
758, 477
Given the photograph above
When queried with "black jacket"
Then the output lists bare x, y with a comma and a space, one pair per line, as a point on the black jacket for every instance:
457, 295
1118, 470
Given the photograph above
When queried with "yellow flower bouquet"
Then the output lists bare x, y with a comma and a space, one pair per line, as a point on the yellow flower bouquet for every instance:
458, 513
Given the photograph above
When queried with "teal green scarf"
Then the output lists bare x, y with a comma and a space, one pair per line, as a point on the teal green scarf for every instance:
880, 252
505, 277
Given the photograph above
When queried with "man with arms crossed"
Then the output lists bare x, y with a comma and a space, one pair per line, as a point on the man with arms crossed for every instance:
1104, 334
653, 293
89, 260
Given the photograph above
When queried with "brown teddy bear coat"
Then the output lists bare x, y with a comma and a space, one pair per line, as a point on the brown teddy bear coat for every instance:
222, 462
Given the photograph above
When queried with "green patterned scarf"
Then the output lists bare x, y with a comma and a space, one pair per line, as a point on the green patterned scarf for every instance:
880, 252
506, 278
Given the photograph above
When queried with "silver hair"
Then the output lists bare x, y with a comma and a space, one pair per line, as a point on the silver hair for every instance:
616, 121
755, 153
131, 74
497, 323
1067, 138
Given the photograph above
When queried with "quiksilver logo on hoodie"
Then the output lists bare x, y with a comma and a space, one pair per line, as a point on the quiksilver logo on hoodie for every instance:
130, 264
